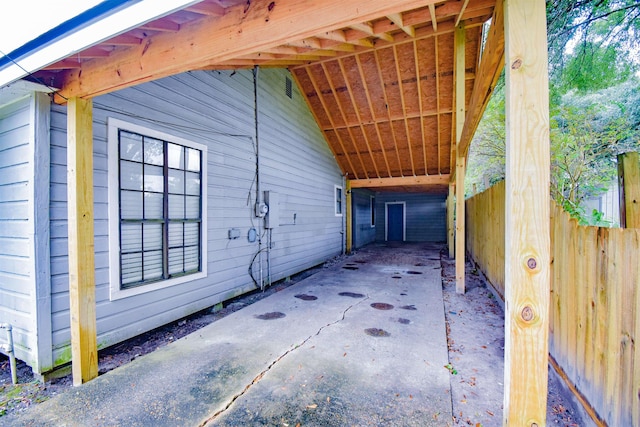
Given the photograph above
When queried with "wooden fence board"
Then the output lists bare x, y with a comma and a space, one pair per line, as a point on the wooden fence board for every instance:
595, 301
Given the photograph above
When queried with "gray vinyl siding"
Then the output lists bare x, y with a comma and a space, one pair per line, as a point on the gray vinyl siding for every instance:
215, 109
363, 232
24, 274
425, 216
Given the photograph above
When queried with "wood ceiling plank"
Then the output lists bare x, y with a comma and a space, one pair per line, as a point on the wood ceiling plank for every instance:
363, 77
341, 109
327, 111
350, 91
425, 115
437, 63
239, 31
386, 102
420, 108
404, 108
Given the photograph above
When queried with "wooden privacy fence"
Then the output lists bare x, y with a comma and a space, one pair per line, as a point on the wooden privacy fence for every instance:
595, 302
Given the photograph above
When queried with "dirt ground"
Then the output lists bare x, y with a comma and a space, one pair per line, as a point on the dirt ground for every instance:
475, 333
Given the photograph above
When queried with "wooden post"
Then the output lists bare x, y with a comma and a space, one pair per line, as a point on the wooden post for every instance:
629, 189
349, 220
527, 239
450, 219
460, 225
459, 39
84, 350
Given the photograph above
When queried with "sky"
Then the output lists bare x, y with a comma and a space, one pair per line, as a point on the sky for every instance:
24, 20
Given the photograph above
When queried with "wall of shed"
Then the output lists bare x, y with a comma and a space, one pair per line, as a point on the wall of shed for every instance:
215, 109
363, 232
426, 219
24, 246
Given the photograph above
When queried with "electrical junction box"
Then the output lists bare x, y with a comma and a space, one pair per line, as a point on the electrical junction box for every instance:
272, 218
234, 233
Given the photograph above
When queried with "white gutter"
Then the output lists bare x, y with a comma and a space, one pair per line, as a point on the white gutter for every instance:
119, 22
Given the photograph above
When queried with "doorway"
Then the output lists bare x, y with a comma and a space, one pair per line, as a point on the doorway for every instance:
395, 222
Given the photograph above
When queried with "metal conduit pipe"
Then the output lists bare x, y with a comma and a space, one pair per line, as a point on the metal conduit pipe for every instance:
8, 348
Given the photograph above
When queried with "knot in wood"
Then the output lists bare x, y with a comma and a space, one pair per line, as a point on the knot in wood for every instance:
271, 6
532, 263
516, 64
527, 313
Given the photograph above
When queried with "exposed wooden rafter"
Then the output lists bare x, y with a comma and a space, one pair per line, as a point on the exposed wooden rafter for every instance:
241, 30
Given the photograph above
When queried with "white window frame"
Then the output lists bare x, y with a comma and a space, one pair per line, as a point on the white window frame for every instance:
335, 200
115, 291
372, 206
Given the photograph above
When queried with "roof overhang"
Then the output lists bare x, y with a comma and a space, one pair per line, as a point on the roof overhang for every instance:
104, 21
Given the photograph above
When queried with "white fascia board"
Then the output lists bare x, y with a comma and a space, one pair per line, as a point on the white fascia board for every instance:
20, 89
119, 22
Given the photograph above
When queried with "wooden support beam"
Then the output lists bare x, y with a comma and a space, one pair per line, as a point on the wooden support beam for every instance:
527, 224
450, 220
460, 225
400, 181
241, 30
349, 220
487, 76
459, 102
82, 304
629, 189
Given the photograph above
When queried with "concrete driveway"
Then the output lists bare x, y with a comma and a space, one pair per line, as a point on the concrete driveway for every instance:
360, 343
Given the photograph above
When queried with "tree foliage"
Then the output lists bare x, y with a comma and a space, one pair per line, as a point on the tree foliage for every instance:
594, 63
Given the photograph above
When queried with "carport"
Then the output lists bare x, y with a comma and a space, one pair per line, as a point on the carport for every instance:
398, 89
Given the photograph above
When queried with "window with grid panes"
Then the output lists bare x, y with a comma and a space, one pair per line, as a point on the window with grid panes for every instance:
160, 198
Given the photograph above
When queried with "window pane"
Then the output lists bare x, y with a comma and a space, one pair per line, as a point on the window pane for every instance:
131, 269
130, 238
175, 234
130, 146
193, 159
191, 258
176, 181
153, 206
130, 204
176, 260
152, 237
152, 265
176, 207
191, 234
193, 207
176, 156
153, 178
193, 183
153, 151
130, 175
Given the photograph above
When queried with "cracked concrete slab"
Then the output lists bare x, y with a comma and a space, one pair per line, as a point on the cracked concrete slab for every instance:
369, 349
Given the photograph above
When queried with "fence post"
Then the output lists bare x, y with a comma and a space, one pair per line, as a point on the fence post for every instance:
629, 189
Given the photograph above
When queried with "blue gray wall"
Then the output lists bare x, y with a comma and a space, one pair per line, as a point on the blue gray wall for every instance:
426, 219
24, 229
363, 232
215, 109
